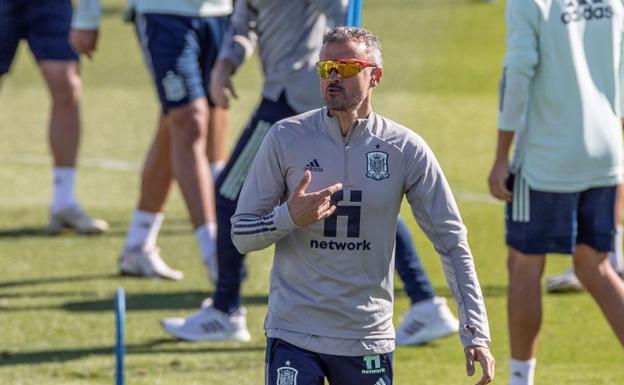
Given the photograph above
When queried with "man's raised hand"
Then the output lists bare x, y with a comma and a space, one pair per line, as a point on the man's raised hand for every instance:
307, 208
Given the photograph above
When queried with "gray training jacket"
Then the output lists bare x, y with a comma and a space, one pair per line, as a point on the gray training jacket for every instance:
334, 278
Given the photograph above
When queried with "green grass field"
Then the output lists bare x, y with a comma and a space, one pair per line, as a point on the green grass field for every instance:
442, 62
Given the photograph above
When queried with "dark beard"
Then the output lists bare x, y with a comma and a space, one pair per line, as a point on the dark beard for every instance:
343, 104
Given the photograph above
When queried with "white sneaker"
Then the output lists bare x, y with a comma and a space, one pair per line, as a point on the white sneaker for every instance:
563, 282
74, 218
426, 321
147, 263
207, 302
210, 324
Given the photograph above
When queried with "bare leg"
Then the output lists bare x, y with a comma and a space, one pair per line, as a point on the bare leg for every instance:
218, 129
140, 256
568, 280
524, 302
63, 80
157, 175
616, 257
604, 285
188, 129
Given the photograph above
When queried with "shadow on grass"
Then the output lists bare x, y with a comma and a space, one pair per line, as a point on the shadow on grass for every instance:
58, 279
170, 346
23, 232
139, 302
47, 294
117, 229
156, 301
172, 227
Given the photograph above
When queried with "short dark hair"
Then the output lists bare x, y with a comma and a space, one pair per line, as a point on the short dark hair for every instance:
347, 34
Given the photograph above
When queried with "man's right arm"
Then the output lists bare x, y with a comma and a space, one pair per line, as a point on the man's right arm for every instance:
262, 217
521, 58
238, 44
87, 15
86, 20
240, 39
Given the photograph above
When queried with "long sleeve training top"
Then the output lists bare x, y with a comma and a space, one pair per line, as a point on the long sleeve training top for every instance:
334, 278
561, 92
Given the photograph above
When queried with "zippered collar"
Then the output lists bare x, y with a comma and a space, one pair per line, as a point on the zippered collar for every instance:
360, 129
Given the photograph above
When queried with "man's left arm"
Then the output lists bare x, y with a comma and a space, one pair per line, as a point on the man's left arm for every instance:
436, 212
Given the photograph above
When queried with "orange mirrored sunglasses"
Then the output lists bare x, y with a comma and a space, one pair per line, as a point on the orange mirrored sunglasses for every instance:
346, 68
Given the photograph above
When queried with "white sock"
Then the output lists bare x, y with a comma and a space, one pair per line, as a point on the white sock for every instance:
63, 195
216, 168
206, 236
521, 372
143, 230
616, 257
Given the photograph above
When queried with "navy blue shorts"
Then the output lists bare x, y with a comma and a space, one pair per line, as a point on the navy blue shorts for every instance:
180, 52
542, 222
287, 364
45, 24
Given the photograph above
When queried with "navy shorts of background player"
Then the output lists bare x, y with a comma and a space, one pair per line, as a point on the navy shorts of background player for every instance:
540, 222
287, 364
180, 51
45, 25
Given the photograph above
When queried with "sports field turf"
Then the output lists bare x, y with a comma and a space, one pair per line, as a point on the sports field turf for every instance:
442, 60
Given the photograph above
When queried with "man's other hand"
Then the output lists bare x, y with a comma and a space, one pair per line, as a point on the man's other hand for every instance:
221, 86
497, 180
485, 358
84, 41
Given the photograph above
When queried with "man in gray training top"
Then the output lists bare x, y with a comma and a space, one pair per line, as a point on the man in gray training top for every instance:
331, 292
290, 87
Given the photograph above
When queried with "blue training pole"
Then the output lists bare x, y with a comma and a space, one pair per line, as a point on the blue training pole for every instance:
120, 334
354, 13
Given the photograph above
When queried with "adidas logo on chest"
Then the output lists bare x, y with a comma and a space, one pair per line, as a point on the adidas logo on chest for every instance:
313, 166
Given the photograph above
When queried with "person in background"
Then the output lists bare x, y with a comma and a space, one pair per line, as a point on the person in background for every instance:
180, 41
560, 104
45, 25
